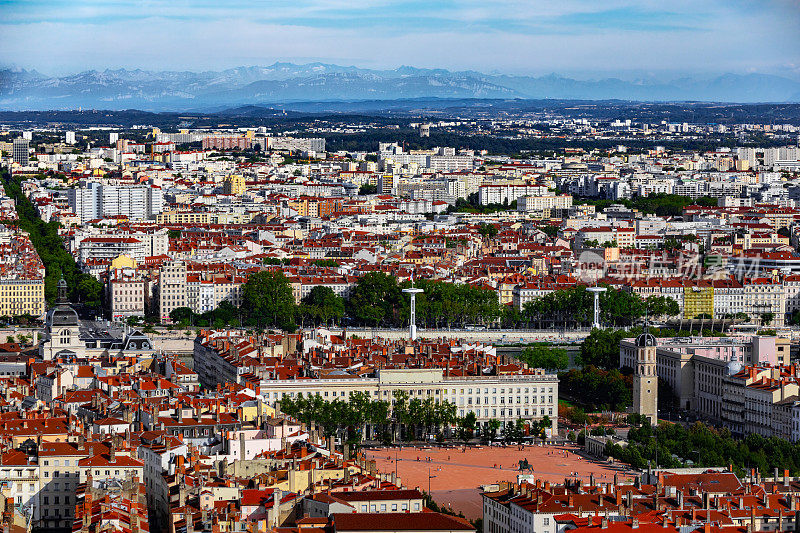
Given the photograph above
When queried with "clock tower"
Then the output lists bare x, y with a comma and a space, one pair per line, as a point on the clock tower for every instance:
645, 378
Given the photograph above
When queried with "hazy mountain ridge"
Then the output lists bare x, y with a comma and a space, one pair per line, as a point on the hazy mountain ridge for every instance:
287, 82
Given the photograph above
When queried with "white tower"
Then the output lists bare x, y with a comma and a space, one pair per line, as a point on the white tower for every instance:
596, 291
412, 327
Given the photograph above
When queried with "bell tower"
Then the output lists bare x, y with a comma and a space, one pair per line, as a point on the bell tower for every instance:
645, 378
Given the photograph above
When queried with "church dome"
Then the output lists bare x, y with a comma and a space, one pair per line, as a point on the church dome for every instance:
63, 315
733, 367
645, 339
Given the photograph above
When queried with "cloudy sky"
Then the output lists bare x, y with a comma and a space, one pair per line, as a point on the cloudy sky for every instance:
582, 38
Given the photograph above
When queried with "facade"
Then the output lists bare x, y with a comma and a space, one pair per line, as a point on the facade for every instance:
125, 294
172, 289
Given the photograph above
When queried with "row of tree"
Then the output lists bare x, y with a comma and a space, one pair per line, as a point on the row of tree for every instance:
58, 262
407, 419
674, 445
575, 307
376, 300
661, 204
404, 418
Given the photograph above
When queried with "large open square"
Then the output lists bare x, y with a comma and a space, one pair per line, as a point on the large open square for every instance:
457, 472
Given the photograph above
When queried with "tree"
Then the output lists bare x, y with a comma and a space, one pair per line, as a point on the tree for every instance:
182, 316
374, 299
267, 300
547, 357
367, 189
488, 231
595, 389
658, 306
491, 428
601, 348
466, 426
322, 305
766, 318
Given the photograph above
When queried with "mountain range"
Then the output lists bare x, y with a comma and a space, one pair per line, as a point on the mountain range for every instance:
288, 83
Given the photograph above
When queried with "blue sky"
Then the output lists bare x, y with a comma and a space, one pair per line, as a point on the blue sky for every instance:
582, 38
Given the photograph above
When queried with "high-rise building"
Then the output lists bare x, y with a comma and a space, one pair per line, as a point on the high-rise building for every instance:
96, 200
234, 184
20, 151
27, 135
113, 137
645, 378
171, 288
69, 137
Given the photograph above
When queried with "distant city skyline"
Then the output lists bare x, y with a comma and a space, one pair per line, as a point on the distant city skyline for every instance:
580, 38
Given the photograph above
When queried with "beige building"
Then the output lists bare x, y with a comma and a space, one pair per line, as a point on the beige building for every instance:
172, 292
125, 294
234, 184
22, 296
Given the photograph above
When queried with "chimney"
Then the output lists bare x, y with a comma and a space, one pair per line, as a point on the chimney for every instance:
635, 523
604, 523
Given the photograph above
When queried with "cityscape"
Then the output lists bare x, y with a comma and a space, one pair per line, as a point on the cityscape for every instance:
387, 278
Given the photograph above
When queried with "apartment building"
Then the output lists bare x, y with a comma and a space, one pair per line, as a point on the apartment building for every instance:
104, 249
172, 290
126, 293
96, 200
19, 481
543, 204
21, 276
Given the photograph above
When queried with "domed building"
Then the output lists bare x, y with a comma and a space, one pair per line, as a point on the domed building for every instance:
62, 329
67, 337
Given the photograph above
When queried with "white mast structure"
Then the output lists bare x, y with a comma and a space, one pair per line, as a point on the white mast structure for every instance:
412, 292
596, 292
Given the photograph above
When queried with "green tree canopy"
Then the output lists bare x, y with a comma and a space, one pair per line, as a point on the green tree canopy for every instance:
374, 299
543, 356
267, 300
322, 305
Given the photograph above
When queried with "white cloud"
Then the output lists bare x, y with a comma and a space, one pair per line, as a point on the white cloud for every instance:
180, 35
